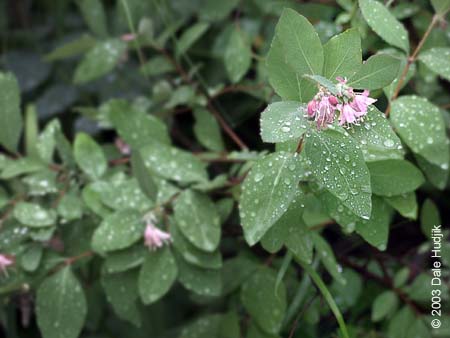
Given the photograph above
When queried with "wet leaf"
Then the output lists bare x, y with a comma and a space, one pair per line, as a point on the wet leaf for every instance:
33, 215
421, 126
118, 231
268, 189
61, 305
89, 156
198, 220
157, 275
265, 303
99, 61
10, 116
385, 24
283, 121
337, 163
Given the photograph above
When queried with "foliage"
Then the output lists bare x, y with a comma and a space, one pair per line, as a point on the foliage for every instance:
164, 173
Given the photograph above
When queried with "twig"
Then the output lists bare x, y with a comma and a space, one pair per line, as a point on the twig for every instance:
411, 60
383, 281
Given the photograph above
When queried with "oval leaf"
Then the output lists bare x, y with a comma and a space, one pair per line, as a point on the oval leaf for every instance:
118, 231
283, 121
89, 156
421, 126
384, 24
267, 192
338, 163
198, 219
157, 275
61, 305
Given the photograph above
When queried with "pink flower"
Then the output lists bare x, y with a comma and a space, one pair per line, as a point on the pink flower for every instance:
322, 109
5, 261
351, 106
361, 101
154, 237
128, 37
124, 148
348, 114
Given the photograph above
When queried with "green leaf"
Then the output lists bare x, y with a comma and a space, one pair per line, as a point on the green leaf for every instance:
327, 257
157, 65
42, 183
136, 127
23, 165
237, 56
75, 47
438, 60
401, 277
31, 130
157, 275
70, 207
421, 126
198, 220
190, 36
193, 255
301, 44
436, 175
400, 323
298, 239
376, 229
288, 84
441, 6
324, 82
405, 204
143, 176
89, 156
10, 115
118, 231
283, 121
31, 258
385, 24
207, 130
376, 137
61, 305
342, 55
122, 293
394, 177
204, 282
94, 14
268, 189
384, 304
429, 217
207, 326
291, 231
216, 10
33, 215
99, 61
123, 194
263, 302
378, 71
123, 260
337, 163
46, 142
174, 164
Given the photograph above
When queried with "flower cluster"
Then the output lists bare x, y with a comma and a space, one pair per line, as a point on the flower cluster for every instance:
154, 237
352, 106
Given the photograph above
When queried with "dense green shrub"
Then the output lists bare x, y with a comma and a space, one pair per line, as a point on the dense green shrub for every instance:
224, 169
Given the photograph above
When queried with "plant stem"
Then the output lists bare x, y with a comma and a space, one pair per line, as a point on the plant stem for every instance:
328, 297
411, 60
133, 31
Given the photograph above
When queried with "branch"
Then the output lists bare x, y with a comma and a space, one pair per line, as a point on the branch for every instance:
411, 60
